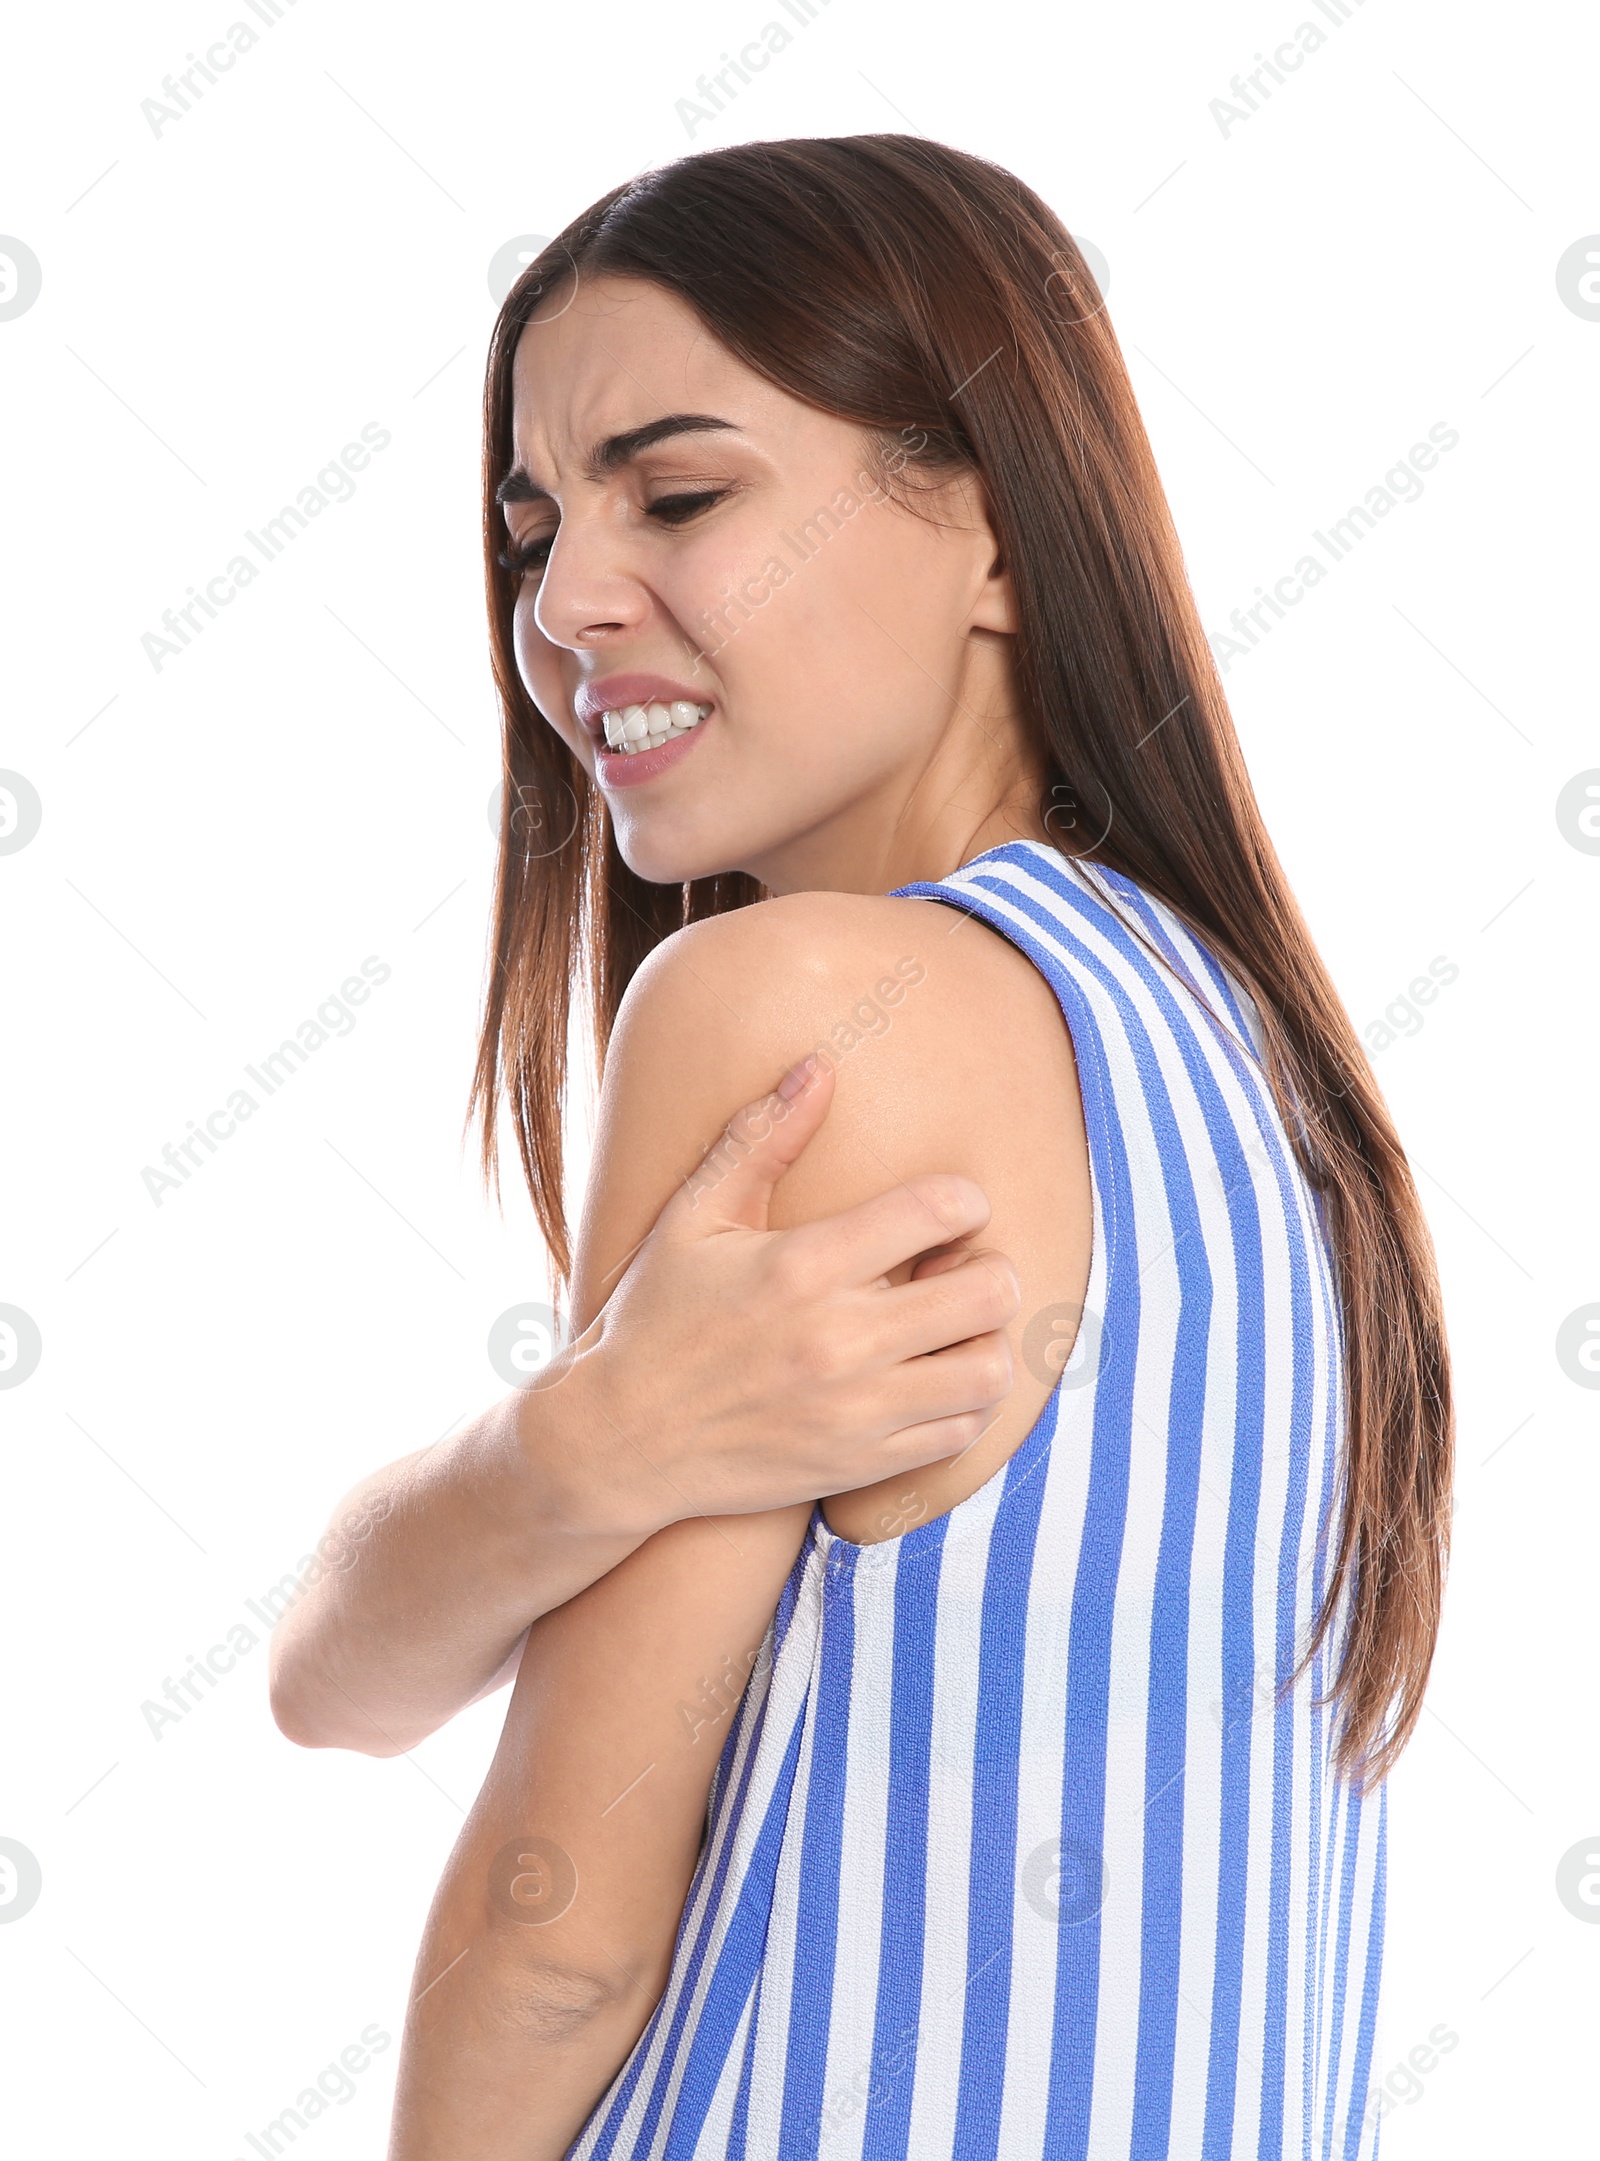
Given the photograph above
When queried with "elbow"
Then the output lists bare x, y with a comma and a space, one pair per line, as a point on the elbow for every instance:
553, 1993
310, 1717
287, 1699
292, 1696
547, 2002
295, 1717
301, 1724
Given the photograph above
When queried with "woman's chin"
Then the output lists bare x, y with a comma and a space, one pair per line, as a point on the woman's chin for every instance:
669, 859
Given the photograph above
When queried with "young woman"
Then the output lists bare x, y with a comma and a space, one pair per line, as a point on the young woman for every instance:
1028, 1804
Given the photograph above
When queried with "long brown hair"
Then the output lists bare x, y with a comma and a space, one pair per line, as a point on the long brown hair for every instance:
932, 298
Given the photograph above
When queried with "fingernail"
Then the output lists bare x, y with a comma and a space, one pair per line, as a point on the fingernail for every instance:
797, 1078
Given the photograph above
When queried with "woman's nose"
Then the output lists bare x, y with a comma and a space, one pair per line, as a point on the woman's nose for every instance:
589, 591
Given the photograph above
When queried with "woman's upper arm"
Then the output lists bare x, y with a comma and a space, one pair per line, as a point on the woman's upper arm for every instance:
950, 1055
949, 1051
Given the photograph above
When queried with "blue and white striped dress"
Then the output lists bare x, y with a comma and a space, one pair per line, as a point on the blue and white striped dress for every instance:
1015, 1848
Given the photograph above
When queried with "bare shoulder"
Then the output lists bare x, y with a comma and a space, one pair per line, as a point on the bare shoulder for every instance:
950, 1055
945, 1039
829, 971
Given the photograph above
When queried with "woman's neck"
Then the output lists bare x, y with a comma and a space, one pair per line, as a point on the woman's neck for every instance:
982, 785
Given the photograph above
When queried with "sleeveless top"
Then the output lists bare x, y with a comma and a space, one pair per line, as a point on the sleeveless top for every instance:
1022, 1843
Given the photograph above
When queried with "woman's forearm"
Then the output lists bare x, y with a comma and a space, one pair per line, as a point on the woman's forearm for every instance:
550, 1937
505, 2056
430, 1573
722, 1369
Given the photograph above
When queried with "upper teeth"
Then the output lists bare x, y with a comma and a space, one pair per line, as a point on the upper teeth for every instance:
643, 727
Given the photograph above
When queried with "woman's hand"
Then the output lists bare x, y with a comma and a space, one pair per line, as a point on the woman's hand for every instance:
729, 1369
734, 1368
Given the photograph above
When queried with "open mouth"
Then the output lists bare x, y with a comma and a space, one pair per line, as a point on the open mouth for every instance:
631, 729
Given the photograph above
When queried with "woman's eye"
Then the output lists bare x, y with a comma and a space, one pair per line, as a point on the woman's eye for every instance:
521, 556
678, 509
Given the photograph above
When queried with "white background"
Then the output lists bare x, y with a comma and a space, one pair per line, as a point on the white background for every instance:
224, 840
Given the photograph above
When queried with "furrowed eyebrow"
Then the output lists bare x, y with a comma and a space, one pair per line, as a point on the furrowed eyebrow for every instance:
618, 449
520, 487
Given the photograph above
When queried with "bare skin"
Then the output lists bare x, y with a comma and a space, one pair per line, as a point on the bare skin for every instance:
612, 1733
863, 735
697, 1389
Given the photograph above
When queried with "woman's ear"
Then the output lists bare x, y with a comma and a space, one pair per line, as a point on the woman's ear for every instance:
997, 603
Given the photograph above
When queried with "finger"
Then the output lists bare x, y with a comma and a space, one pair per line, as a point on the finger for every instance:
863, 1243
967, 1380
934, 1441
919, 1319
734, 1180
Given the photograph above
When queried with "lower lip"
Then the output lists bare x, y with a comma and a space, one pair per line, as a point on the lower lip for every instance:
620, 769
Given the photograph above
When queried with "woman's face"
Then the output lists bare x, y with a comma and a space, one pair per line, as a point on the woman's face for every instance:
704, 555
